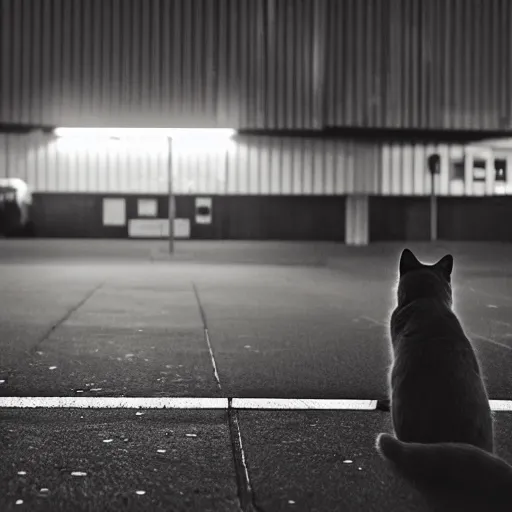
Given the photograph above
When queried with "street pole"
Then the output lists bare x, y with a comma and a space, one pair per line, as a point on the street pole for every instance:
433, 210
434, 164
172, 207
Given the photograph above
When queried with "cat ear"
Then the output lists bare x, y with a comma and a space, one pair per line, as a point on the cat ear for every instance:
408, 262
445, 264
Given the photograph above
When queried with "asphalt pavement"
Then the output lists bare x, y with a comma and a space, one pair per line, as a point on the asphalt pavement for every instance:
99, 318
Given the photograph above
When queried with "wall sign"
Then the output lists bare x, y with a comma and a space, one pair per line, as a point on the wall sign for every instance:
203, 210
158, 228
147, 207
114, 211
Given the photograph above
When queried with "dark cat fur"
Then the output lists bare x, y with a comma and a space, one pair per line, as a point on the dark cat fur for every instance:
439, 404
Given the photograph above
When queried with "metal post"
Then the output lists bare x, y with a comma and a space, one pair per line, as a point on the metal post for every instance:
433, 209
172, 207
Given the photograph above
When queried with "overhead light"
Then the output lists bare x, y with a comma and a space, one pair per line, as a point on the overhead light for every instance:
188, 134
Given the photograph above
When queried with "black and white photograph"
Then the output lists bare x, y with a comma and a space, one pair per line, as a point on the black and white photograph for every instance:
256, 255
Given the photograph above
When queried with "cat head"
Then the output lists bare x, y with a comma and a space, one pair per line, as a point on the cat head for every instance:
418, 280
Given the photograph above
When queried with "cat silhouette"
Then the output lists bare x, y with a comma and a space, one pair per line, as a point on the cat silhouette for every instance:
439, 404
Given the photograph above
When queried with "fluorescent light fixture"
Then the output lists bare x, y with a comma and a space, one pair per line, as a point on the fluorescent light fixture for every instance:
189, 134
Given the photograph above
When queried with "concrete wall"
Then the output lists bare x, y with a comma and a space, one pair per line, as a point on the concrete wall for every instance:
233, 217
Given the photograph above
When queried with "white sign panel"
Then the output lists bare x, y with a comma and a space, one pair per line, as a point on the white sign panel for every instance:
203, 210
114, 211
158, 228
147, 207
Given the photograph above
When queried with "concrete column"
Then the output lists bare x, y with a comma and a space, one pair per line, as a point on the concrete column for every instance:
357, 226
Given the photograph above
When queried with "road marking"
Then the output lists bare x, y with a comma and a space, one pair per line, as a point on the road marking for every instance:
104, 402
270, 404
303, 404
501, 405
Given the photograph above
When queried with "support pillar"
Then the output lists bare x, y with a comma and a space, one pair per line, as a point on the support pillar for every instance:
357, 227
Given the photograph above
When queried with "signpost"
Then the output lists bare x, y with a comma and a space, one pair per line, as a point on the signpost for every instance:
434, 164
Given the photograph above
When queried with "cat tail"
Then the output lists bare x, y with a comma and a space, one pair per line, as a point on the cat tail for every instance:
450, 463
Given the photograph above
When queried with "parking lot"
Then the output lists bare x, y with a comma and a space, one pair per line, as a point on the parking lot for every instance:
93, 319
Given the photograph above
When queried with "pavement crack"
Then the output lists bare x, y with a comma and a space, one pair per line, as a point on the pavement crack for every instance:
68, 313
207, 336
245, 491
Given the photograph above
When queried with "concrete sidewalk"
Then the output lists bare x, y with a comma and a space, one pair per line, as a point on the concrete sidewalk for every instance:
238, 252
110, 326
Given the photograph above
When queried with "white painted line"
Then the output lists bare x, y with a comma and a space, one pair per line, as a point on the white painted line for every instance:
501, 405
102, 402
290, 404
302, 404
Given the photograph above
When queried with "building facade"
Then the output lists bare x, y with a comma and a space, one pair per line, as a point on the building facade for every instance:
264, 65
263, 188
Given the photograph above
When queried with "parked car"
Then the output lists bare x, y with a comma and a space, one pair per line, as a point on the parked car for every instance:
15, 208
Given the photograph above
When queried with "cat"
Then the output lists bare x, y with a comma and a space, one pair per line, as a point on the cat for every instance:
439, 404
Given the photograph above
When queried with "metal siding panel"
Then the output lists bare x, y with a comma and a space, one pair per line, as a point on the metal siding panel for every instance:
58, 175
147, 88
242, 174
103, 171
73, 172
305, 167
276, 155
16, 63
444, 177
393, 63
317, 168
468, 172
178, 172
265, 162
396, 170
32, 160
206, 173
489, 175
222, 103
385, 170
6, 55
287, 168
330, 167
407, 170
417, 169
166, 87
35, 71
252, 168
53, 169
231, 174
340, 174
428, 150
85, 72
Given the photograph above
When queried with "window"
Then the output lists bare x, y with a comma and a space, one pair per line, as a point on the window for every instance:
478, 170
500, 166
457, 169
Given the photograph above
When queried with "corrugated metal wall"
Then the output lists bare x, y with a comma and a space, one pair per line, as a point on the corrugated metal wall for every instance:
404, 170
420, 63
251, 165
259, 165
257, 63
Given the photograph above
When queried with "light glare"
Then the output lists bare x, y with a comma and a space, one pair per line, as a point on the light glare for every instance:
144, 133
